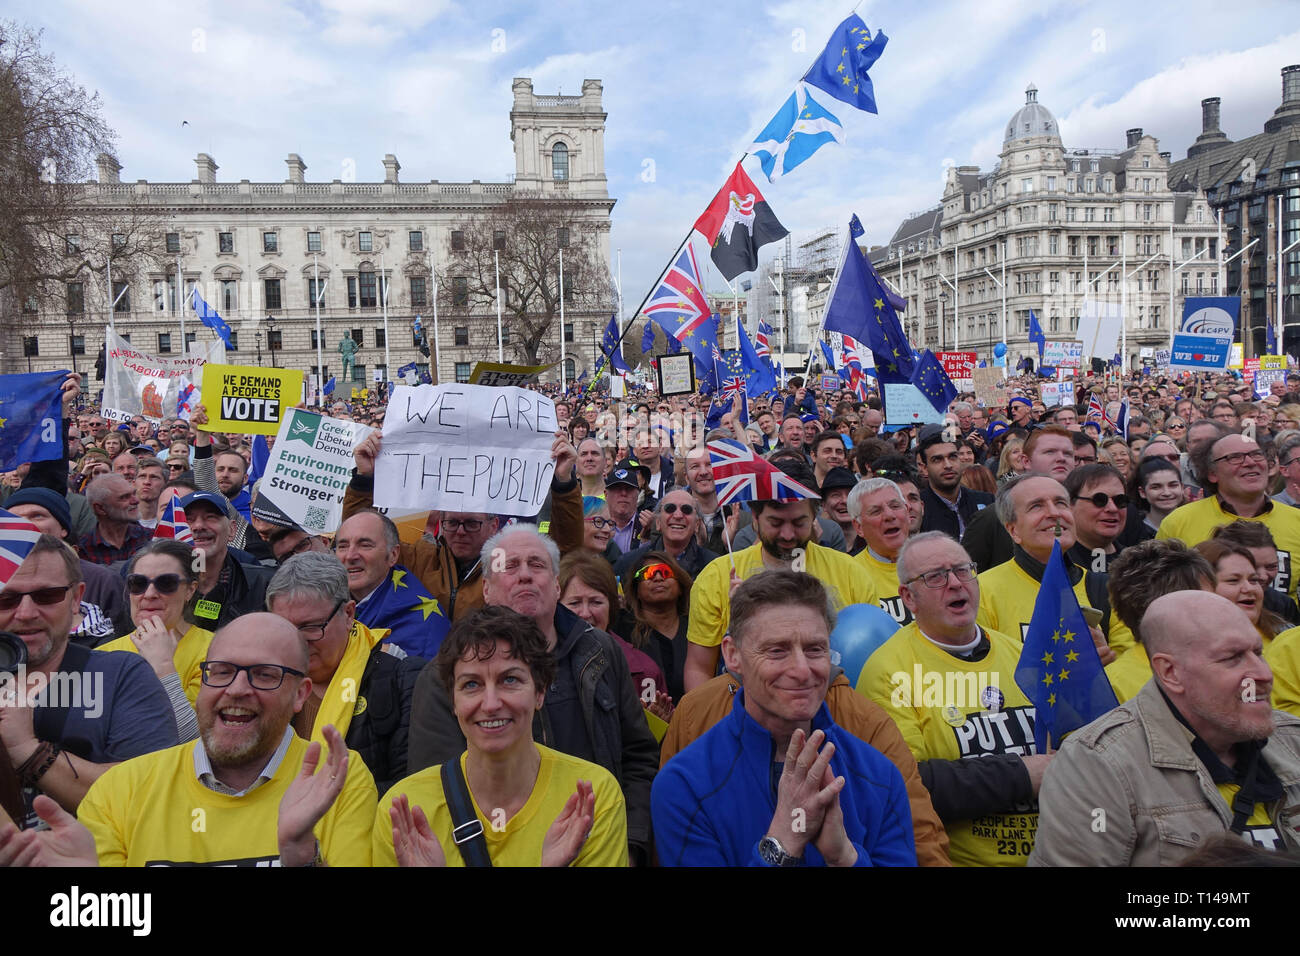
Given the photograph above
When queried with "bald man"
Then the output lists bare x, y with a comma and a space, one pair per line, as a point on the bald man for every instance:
1183, 762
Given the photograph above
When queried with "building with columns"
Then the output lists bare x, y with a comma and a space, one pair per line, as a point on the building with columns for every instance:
1045, 228
266, 254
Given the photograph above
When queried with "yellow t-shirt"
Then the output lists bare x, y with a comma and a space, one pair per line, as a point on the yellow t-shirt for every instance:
1194, 522
153, 811
884, 579
1007, 597
1260, 828
1283, 656
1129, 673
948, 708
844, 579
518, 840
191, 651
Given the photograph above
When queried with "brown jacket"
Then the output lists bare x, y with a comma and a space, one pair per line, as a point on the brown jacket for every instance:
706, 705
434, 564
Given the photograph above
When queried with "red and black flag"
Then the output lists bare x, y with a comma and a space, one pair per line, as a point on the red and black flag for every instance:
737, 223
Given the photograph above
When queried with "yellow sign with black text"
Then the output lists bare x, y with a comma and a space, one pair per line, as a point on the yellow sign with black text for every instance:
247, 399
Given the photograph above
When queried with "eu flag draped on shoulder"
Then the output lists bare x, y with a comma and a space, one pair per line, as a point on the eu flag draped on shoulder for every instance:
842, 68
736, 223
1059, 669
933, 381
210, 317
609, 347
800, 127
415, 620
860, 306
31, 418
1036, 335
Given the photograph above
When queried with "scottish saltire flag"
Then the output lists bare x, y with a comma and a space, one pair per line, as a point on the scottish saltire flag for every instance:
859, 306
329, 386
842, 68
31, 418
758, 375
741, 475
609, 347
1036, 334
415, 620
800, 127
209, 316
1059, 669
934, 382
17, 538
172, 523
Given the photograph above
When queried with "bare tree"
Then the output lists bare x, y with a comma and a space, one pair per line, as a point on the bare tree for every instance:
525, 234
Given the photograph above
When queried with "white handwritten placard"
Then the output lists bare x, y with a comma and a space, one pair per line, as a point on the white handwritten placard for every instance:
458, 447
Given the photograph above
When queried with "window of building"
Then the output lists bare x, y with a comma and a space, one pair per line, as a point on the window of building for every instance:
119, 240
234, 341
415, 240
366, 241
164, 295
1054, 323
1112, 245
229, 295
76, 296
1093, 245
505, 333
498, 239
31, 346
560, 162
505, 290
1051, 184
381, 371
460, 291
462, 372
173, 242
320, 377
1071, 214
316, 292
358, 336
190, 339
313, 242
381, 339
1073, 249
225, 242
419, 294
72, 245
568, 331
1107, 185
366, 295
314, 341
274, 339
461, 335
458, 239
1090, 214
562, 237
570, 369
1092, 166
1027, 184
1146, 212
164, 342
1074, 166
1108, 214
1200, 214
272, 294
1054, 245
1146, 185
77, 344
358, 373
1069, 184
30, 304
121, 297
1089, 185
270, 242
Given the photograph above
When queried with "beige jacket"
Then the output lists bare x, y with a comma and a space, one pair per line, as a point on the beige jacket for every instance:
1127, 790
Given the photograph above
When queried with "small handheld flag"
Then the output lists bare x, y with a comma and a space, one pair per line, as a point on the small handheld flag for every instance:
740, 475
172, 523
17, 538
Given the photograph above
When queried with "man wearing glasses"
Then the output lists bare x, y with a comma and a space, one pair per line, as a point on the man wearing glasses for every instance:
1288, 459
974, 741
247, 792
1100, 508
677, 520
59, 746
359, 685
1235, 471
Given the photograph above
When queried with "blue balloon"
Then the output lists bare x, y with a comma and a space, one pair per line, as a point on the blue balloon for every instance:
859, 630
1000, 349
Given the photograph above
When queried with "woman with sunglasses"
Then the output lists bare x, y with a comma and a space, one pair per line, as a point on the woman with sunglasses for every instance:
160, 581
598, 528
657, 594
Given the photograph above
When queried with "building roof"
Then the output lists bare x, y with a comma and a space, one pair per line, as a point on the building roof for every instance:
1224, 166
1031, 120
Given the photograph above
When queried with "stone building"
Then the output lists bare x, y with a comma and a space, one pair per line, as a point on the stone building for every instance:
263, 254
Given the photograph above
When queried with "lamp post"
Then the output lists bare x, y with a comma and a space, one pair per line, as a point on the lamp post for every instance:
270, 338
943, 298
259, 348
595, 361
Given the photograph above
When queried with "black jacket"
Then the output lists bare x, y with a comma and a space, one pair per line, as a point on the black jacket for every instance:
940, 517
244, 594
617, 732
379, 733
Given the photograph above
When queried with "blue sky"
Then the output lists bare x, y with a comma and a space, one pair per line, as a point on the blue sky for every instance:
686, 86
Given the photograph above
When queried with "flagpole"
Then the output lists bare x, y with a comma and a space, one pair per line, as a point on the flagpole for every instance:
320, 359
496, 266
562, 356
437, 360
108, 269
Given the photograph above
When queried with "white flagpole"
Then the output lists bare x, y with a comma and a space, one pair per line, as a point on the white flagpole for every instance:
563, 381
108, 268
437, 364
496, 265
320, 358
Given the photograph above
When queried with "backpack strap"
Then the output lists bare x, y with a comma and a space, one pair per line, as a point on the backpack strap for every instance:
1243, 804
468, 832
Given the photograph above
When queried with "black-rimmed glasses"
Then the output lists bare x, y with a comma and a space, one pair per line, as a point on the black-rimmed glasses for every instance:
260, 676
307, 630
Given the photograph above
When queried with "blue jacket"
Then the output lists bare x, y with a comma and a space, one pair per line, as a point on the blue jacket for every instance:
715, 800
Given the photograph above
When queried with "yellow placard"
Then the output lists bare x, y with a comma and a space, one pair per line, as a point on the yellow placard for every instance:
1235, 359
1272, 361
497, 373
247, 399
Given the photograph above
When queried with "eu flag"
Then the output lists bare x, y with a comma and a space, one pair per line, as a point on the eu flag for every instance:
1036, 335
31, 418
1059, 669
329, 386
828, 356
758, 375
609, 346
1270, 338
842, 68
934, 382
210, 317
860, 307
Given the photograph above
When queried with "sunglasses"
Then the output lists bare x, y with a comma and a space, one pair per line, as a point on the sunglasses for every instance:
164, 583
672, 506
1099, 500
42, 596
654, 572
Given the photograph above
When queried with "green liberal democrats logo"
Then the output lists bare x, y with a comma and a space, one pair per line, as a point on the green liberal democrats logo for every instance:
304, 427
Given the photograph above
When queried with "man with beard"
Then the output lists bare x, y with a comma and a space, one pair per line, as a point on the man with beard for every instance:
231, 583
118, 535
785, 542
248, 778
949, 505
1184, 762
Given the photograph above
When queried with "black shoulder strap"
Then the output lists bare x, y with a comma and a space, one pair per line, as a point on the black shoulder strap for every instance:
1243, 804
468, 832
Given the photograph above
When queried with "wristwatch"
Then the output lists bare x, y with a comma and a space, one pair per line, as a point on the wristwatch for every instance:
773, 854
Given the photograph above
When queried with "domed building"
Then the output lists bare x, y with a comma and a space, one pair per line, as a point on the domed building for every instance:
1043, 229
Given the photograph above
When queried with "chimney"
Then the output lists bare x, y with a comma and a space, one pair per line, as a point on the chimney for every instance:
207, 168
296, 167
1288, 114
391, 166
108, 168
1210, 115
1133, 136
1291, 83
1166, 156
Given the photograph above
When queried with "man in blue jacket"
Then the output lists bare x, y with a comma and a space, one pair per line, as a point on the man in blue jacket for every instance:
778, 783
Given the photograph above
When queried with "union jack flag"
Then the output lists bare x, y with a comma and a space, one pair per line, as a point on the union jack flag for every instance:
17, 538
853, 352
678, 305
172, 523
733, 386
740, 475
762, 339
1095, 407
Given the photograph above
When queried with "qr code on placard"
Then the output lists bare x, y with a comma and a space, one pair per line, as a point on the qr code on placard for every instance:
315, 519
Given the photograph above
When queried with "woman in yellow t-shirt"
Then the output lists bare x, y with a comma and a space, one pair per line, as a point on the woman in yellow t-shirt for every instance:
160, 581
534, 806
1240, 581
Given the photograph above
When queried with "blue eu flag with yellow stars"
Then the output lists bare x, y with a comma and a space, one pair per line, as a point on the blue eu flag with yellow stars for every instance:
862, 308
31, 418
414, 618
1059, 669
934, 382
842, 68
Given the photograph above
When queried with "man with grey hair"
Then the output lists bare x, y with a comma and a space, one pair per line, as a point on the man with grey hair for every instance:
881, 518
677, 522
1288, 463
359, 684
1184, 762
591, 711
118, 534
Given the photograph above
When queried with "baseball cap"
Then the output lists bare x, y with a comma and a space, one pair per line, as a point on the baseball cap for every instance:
838, 478
624, 473
143, 450
809, 417
205, 497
